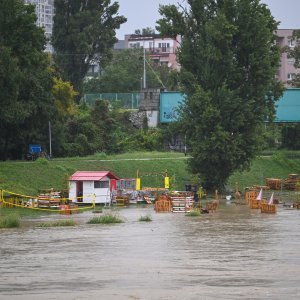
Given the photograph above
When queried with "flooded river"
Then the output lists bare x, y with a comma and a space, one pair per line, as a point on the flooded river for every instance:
235, 253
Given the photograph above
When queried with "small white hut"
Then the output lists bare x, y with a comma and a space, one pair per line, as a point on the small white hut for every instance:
84, 186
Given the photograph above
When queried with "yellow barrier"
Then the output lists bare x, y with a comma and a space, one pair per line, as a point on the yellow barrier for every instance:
34, 201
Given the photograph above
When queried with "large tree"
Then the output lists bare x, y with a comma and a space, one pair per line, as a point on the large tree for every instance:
83, 32
229, 62
25, 81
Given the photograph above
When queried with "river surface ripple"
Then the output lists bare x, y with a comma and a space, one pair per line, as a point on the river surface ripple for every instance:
235, 253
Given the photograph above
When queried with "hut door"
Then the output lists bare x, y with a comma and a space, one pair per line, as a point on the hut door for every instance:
79, 191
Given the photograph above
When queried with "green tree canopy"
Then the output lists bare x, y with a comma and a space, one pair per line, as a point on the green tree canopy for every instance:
25, 80
83, 32
144, 31
125, 71
229, 61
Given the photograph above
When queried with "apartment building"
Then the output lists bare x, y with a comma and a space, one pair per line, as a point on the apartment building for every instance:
45, 11
286, 71
160, 50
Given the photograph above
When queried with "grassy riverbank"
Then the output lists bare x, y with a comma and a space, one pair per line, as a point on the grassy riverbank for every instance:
28, 177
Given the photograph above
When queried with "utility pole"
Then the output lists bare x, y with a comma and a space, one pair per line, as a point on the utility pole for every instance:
144, 68
50, 142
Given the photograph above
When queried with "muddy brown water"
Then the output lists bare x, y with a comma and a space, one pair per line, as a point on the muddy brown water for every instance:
236, 253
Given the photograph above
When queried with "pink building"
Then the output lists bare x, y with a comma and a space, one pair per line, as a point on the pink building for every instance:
161, 50
287, 70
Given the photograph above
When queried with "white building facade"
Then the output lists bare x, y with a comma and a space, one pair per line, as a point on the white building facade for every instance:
44, 10
161, 50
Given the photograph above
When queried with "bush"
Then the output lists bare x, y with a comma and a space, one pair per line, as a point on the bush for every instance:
10, 221
105, 219
291, 137
193, 213
146, 218
58, 223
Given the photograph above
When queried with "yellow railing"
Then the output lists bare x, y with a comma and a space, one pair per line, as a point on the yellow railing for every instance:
33, 200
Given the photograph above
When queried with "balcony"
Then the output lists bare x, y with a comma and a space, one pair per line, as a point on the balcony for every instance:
163, 50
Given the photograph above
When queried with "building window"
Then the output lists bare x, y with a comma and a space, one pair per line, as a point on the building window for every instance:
291, 60
291, 43
164, 47
101, 184
291, 76
134, 45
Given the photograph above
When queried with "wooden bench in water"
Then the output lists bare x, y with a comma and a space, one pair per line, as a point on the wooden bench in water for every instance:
268, 208
163, 205
250, 195
256, 204
211, 206
122, 201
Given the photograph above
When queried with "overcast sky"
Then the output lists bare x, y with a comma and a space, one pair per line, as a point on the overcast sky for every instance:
144, 13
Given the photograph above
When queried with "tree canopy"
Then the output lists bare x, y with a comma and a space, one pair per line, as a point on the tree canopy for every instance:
25, 80
124, 74
144, 31
228, 64
83, 32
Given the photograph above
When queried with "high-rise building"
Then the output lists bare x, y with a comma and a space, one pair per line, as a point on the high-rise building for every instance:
44, 10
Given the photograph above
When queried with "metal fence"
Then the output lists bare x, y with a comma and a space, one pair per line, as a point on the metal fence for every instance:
121, 100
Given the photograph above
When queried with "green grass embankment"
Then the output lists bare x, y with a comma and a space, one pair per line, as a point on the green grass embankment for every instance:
28, 177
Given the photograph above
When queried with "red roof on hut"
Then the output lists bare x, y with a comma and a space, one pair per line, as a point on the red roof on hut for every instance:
92, 176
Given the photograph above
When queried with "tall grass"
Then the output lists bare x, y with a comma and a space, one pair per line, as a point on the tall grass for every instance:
69, 222
146, 218
193, 213
10, 221
105, 219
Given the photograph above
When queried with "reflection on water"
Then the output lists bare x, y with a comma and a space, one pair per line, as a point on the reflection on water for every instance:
235, 253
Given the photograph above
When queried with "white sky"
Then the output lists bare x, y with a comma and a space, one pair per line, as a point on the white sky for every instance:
144, 13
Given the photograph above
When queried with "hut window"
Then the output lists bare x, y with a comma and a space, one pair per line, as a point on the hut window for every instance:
101, 184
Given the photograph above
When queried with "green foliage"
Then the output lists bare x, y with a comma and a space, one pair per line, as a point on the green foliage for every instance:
84, 31
143, 140
145, 31
125, 71
25, 80
228, 64
10, 221
105, 219
146, 218
193, 213
64, 98
291, 137
58, 223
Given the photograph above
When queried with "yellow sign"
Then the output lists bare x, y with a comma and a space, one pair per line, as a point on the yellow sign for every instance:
138, 184
167, 182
